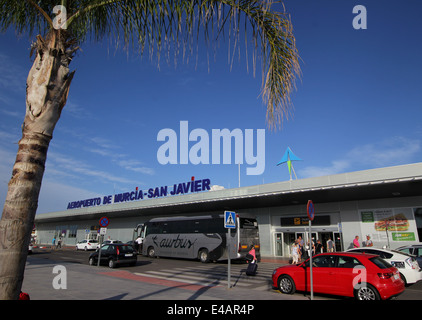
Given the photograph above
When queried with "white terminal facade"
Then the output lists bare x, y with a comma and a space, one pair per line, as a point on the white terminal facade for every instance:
384, 203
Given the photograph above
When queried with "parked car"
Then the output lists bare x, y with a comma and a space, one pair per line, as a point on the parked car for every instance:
87, 245
111, 241
359, 275
114, 254
414, 250
405, 263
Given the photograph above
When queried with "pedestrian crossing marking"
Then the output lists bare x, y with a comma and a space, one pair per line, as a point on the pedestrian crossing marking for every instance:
215, 276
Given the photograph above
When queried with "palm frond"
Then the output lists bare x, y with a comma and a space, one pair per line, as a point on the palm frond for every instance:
178, 24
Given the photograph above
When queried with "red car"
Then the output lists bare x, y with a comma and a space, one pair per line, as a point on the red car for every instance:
359, 275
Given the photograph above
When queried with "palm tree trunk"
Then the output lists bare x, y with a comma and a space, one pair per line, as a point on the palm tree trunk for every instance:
46, 94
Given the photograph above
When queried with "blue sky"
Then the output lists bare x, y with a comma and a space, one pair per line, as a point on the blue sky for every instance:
357, 106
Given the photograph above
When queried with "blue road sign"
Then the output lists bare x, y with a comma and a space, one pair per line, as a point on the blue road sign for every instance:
310, 210
104, 222
229, 219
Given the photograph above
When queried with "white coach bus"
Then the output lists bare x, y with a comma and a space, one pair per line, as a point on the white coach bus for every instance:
198, 237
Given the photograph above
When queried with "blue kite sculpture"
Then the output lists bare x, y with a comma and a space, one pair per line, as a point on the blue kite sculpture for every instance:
288, 157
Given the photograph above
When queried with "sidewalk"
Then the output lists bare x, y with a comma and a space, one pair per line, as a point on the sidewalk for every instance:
268, 259
82, 282
280, 260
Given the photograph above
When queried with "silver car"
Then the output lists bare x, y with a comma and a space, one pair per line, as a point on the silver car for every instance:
414, 250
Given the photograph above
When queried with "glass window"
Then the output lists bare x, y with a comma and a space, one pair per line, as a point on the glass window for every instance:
382, 254
61, 231
126, 249
406, 250
248, 223
323, 261
348, 262
155, 227
72, 231
380, 263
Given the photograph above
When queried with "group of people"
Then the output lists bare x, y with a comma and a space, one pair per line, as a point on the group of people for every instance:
300, 250
58, 244
367, 243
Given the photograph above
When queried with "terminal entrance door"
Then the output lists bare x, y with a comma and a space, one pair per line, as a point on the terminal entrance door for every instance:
288, 239
338, 241
283, 240
323, 237
279, 244
283, 243
92, 235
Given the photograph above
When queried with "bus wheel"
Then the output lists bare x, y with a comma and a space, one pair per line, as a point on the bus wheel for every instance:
203, 255
151, 252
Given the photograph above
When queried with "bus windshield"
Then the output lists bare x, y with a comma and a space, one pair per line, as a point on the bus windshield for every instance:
248, 236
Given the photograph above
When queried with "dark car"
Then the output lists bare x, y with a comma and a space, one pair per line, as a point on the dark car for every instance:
114, 254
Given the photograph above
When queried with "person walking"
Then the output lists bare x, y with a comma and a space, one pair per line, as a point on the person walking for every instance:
252, 253
356, 242
311, 246
368, 242
253, 266
330, 245
138, 244
299, 243
59, 243
318, 247
295, 253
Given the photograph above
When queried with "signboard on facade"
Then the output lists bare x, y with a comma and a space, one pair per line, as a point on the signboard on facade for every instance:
151, 193
304, 221
388, 224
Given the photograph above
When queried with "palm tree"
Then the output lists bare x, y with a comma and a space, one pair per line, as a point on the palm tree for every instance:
174, 25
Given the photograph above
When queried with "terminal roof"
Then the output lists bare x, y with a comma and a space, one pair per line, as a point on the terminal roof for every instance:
389, 182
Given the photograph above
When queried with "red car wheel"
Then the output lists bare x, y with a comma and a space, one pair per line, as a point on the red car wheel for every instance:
286, 284
366, 292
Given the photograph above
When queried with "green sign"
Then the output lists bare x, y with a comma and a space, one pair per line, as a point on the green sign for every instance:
403, 236
367, 216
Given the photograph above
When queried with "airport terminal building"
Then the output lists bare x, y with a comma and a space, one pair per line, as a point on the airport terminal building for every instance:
384, 203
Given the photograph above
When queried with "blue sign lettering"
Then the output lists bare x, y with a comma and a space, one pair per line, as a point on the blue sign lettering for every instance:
84, 203
163, 191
